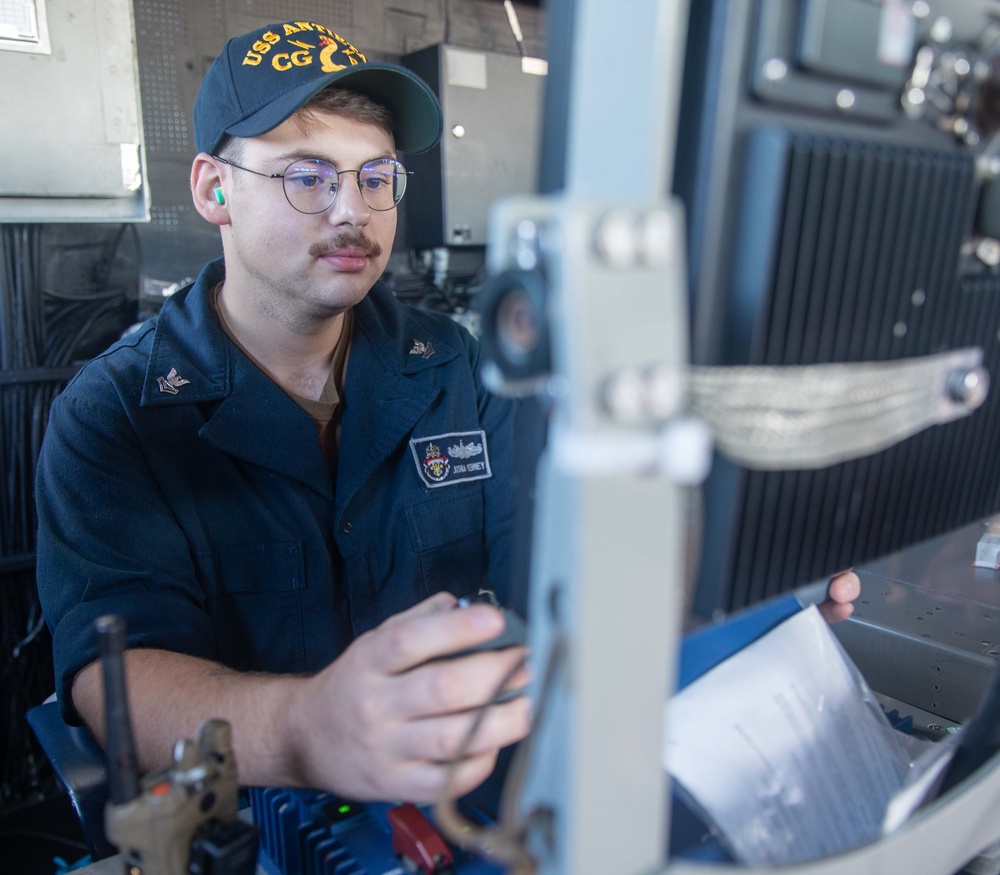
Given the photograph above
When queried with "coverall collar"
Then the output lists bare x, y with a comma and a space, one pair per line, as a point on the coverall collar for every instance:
249, 416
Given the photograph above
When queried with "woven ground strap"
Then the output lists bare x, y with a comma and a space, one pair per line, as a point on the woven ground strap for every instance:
788, 418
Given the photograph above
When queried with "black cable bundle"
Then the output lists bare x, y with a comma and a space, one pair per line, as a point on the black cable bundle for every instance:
44, 334
25, 662
453, 292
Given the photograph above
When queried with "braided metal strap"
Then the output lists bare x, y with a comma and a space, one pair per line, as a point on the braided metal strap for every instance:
786, 418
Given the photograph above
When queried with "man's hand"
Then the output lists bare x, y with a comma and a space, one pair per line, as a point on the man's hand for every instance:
844, 588
385, 720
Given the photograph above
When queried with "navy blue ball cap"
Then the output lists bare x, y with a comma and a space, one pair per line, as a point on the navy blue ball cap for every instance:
262, 77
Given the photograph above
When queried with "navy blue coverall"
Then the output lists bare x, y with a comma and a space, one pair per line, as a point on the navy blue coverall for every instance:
181, 488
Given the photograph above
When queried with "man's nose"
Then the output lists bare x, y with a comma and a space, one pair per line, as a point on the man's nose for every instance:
349, 206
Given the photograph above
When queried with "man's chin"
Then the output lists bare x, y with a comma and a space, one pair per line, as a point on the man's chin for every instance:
340, 297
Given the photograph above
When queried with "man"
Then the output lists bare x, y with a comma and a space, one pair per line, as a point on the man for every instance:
263, 477
283, 482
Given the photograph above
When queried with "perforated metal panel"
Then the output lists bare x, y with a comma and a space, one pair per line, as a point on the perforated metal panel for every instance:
336, 12
160, 28
856, 259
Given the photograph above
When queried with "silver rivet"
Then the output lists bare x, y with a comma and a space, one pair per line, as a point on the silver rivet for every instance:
899, 329
458, 131
918, 298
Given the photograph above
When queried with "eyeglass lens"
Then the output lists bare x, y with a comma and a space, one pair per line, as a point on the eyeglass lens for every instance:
311, 185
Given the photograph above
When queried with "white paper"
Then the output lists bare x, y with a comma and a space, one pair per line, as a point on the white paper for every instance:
784, 749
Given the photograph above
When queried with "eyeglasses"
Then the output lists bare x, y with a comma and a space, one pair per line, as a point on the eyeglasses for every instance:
311, 185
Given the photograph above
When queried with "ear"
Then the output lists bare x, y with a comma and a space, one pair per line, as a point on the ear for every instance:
208, 176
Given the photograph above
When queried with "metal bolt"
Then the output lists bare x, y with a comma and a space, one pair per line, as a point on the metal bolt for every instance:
923, 67
775, 70
941, 30
845, 98
970, 387
458, 131
665, 388
624, 396
988, 251
617, 238
525, 245
989, 166
657, 237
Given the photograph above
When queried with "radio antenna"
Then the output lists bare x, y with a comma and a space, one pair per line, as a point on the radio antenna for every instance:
123, 768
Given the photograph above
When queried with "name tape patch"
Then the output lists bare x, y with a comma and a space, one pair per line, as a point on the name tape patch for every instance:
445, 459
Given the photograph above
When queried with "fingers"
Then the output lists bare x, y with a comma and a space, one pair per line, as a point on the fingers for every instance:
841, 592
456, 685
389, 717
833, 612
435, 604
425, 782
844, 588
445, 738
438, 754
430, 630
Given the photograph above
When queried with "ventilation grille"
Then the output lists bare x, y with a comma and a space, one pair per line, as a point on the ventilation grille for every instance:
861, 263
296, 837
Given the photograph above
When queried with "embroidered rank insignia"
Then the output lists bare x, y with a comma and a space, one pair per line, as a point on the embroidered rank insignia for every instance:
445, 459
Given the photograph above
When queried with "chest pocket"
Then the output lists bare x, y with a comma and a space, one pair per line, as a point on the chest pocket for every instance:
447, 535
255, 598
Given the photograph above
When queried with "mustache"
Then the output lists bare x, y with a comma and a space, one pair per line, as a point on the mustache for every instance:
351, 239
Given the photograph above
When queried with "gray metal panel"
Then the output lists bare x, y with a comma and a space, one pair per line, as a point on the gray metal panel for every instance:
606, 593
70, 121
490, 146
498, 107
926, 629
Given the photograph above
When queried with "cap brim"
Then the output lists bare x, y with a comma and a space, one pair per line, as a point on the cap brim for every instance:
415, 108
